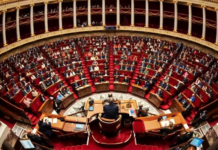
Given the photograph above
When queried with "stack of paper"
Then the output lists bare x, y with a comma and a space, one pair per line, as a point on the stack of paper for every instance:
55, 120
186, 126
164, 123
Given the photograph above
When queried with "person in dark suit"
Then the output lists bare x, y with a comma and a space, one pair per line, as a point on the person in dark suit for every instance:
24, 92
147, 85
76, 85
42, 98
159, 93
111, 111
126, 80
185, 80
101, 79
202, 118
116, 73
45, 128
116, 78
184, 137
84, 82
137, 81
167, 88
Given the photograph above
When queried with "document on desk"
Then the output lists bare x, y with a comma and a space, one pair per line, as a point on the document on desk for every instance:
172, 120
164, 123
55, 120
79, 127
186, 126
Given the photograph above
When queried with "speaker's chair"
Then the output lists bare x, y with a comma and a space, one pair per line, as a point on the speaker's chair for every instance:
109, 126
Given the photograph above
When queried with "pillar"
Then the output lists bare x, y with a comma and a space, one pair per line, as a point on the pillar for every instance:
189, 18
46, 16
161, 14
18, 23
132, 13
175, 15
31, 20
204, 22
60, 14
217, 26
147, 13
89, 13
3, 28
103, 13
74, 14
118, 12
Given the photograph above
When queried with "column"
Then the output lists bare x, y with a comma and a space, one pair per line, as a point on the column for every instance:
217, 26
161, 14
74, 14
18, 23
175, 16
3, 28
89, 13
189, 18
147, 13
60, 15
46, 16
103, 13
204, 22
132, 13
31, 20
118, 12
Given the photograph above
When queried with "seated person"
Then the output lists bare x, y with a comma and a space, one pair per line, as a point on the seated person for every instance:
184, 103
146, 72
105, 73
126, 80
27, 101
34, 92
168, 129
116, 78
111, 111
45, 128
43, 86
137, 81
192, 98
159, 93
162, 84
15, 90
167, 88
147, 85
59, 97
141, 112
76, 85
101, 79
148, 66
24, 92
84, 82
182, 138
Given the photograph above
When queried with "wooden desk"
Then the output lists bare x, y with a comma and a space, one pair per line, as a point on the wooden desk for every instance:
120, 87
98, 107
70, 127
75, 119
138, 90
67, 100
176, 106
64, 125
151, 122
154, 99
84, 90
102, 87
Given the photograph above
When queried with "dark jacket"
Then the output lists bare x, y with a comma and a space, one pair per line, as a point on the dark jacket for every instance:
111, 111
45, 128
